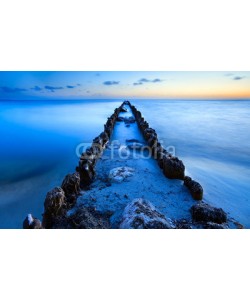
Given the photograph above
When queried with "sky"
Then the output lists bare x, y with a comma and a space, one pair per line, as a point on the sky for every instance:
58, 85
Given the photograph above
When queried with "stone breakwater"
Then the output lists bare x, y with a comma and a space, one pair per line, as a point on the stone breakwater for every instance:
60, 205
173, 167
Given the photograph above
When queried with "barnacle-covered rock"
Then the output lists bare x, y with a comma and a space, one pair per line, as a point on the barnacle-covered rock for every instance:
55, 206
194, 187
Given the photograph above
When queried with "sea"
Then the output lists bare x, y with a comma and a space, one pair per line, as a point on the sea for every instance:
41, 142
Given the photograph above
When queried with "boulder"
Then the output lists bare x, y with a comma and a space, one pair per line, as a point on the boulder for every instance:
136, 146
120, 174
31, 222
129, 120
141, 214
120, 119
123, 109
86, 171
55, 206
202, 212
173, 167
88, 218
194, 187
71, 187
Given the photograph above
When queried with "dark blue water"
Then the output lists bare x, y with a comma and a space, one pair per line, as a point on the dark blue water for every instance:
39, 140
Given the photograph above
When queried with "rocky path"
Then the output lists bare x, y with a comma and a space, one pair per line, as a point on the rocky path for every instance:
126, 179
145, 179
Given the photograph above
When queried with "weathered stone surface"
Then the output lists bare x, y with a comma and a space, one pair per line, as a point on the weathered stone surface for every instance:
211, 225
203, 212
184, 224
173, 167
31, 222
141, 214
120, 119
123, 109
55, 206
129, 120
71, 187
88, 218
86, 171
194, 187
120, 174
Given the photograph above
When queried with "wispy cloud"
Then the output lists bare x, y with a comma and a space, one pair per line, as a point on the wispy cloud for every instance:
53, 88
145, 80
7, 89
235, 76
36, 88
238, 77
111, 82
70, 86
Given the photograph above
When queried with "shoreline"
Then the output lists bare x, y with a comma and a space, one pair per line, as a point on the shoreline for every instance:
158, 194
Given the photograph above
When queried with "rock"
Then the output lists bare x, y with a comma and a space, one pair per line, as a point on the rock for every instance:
120, 174
123, 109
132, 141
152, 141
141, 214
31, 222
129, 120
86, 171
55, 206
149, 133
71, 187
173, 168
211, 225
120, 119
101, 140
203, 212
194, 187
136, 146
88, 218
184, 224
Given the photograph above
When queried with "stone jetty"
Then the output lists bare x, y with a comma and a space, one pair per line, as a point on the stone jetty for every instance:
127, 179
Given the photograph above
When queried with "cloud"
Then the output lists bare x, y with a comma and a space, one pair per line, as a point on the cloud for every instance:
238, 77
7, 89
70, 86
145, 80
53, 88
36, 88
111, 82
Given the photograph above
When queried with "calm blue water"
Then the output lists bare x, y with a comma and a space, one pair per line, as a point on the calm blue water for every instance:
38, 142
